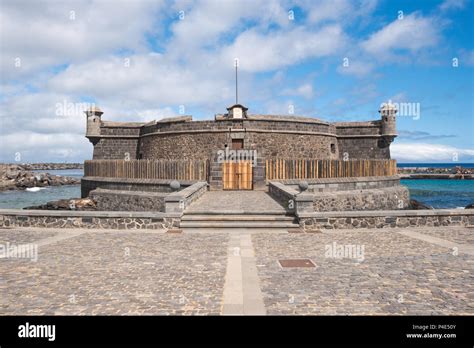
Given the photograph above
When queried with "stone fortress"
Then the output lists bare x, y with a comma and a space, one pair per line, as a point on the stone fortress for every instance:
273, 136
315, 165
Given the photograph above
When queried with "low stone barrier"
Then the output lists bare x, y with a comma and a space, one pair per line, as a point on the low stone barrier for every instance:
88, 219
343, 184
114, 200
386, 219
389, 198
283, 194
178, 201
89, 183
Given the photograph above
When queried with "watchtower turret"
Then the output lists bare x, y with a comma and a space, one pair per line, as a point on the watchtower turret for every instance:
93, 123
388, 112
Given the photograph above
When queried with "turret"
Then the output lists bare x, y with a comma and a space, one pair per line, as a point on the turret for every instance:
388, 130
93, 123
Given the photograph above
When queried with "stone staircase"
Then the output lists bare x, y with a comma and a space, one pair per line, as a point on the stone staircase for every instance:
236, 209
237, 219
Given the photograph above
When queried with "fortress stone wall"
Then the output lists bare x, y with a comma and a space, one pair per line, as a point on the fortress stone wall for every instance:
273, 136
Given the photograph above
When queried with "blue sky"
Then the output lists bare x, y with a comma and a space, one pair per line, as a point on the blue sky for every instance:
143, 60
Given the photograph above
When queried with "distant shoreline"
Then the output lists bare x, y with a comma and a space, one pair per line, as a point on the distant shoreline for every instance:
47, 166
23, 176
415, 176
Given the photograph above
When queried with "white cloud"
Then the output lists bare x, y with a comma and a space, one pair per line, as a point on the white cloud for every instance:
466, 58
305, 91
411, 33
420, 152
47, 33
65, 60
37, 112
150, 81
258, 52
356, 68
36, 147
398, 98
452, 4
344, 11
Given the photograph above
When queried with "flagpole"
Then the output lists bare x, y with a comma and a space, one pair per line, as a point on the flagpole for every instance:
236, 84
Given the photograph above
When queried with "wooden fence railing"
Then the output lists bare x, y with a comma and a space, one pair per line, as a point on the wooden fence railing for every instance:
276, 169
148, 169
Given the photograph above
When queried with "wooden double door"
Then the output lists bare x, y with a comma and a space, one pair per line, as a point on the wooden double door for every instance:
237, 175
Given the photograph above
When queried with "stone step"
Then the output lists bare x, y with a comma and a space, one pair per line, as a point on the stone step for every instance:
237, 224
233, 229
235, 212
237, 218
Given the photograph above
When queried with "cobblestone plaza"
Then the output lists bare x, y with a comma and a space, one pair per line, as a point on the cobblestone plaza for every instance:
398, 271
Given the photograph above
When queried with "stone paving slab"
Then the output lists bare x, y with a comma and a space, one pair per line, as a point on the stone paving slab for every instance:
107, 273
398, 275
464, 236
242, 293
244, 201
8, 235
143, 273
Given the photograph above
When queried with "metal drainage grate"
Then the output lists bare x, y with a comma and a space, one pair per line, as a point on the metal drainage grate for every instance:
295, 230
301, 263
174, 230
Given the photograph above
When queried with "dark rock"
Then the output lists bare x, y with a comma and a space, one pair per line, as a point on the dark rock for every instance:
416, 205
16, 177
66, 204
469, 206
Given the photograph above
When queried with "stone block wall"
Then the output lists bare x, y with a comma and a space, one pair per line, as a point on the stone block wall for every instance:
90, 183
390, 198
385, 198
364, 148
268, 145
343, 184
91, 220
273, 137
116, 148
181, 146
289, 145
387, 219
113, 200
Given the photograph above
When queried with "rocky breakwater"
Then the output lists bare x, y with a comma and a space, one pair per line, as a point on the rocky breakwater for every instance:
51, 166
458, 170
66, 204
16, 177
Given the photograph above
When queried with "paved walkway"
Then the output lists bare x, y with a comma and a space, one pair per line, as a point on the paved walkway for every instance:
242, 286
242, 201
415, 271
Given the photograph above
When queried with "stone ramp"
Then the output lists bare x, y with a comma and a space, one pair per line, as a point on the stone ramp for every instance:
236, 209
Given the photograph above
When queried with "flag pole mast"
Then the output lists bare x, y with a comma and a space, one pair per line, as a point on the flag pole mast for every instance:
236, 83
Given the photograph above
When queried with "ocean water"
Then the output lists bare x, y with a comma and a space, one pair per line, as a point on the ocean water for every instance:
75, 173
435, 165
438, 193
20, 199
441, 193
